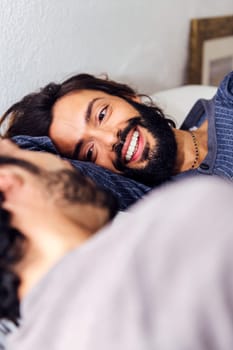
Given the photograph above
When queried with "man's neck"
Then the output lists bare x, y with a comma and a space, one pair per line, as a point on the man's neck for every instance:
191, 149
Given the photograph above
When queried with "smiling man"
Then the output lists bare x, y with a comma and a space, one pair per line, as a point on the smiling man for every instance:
114, 133
106, 123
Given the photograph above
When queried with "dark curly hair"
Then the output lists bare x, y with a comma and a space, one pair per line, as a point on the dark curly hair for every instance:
11, 250
33, 114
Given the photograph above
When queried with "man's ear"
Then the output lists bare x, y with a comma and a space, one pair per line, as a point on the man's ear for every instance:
136, 98
10, 182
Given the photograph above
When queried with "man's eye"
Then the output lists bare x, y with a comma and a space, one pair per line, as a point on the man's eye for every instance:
102, 114
89, 154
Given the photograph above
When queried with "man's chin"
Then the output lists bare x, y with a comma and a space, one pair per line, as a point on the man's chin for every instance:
149, 174
138, 167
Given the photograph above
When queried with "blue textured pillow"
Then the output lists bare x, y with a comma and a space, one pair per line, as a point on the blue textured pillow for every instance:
127, 191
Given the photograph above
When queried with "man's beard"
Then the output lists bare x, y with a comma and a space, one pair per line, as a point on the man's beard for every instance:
161, 159
72, 187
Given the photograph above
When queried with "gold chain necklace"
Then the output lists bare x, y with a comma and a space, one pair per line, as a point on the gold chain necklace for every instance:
195, 143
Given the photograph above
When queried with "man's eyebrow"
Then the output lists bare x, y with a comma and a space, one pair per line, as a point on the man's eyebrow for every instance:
32, 168
90, 107
77, 149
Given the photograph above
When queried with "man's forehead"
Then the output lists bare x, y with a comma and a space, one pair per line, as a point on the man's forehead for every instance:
80, 96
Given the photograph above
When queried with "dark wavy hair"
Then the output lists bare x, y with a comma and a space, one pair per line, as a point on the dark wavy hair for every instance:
12, 244
11, 251
33, 114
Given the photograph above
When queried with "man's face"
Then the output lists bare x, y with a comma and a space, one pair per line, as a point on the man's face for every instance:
123, 136
40, 185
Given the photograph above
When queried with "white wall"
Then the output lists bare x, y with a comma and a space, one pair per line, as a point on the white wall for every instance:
141, 42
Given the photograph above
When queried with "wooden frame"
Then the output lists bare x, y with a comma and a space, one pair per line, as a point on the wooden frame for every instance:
210, 49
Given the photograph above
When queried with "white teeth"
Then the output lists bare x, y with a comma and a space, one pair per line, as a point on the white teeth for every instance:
132, 146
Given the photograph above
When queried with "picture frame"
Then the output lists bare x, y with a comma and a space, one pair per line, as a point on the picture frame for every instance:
210, 50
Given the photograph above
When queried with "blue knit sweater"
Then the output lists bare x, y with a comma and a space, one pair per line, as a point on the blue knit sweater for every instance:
219, 112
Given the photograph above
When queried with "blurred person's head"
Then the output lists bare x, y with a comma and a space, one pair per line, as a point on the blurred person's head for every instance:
47, 209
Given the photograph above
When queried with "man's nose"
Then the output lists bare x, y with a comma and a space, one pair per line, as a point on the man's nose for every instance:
107, 137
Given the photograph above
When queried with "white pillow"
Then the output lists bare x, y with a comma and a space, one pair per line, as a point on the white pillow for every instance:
177, 102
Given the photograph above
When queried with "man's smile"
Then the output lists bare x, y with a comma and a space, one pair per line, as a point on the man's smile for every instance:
133, 146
